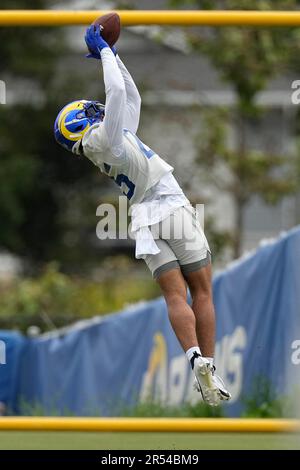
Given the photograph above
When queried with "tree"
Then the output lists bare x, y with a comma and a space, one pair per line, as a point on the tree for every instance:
37, 177
247, 58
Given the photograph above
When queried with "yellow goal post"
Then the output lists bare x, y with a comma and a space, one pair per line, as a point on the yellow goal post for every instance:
152, 17
23, 423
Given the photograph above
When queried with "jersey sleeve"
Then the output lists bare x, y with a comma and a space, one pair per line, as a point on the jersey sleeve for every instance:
115, 102
133, 99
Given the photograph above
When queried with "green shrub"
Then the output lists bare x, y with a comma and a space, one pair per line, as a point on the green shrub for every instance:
263, 402
151, 409
55, 299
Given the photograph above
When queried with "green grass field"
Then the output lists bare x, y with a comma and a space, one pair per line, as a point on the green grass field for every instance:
12, 440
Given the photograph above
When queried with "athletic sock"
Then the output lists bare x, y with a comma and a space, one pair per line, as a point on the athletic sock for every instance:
192, 354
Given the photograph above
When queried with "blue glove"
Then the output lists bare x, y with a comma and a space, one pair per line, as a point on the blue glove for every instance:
91, 43
95, 41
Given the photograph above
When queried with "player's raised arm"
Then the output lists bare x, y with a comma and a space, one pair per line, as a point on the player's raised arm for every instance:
133, 99
114, 90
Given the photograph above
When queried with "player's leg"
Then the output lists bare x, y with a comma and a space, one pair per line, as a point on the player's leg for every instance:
183, 321
181, 315
166, 271
190, 246
200, 286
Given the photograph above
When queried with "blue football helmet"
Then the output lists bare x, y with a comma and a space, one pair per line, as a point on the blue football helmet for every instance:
74, 120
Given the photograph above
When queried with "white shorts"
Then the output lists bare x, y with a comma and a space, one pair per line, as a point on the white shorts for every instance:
182, 244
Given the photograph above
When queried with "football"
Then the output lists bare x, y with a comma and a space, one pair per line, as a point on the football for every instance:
111, 27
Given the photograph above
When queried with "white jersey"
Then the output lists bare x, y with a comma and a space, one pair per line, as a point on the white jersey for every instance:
137, 169
112, 145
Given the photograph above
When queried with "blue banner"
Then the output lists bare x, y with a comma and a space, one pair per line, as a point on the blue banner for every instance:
11, 348
101, 366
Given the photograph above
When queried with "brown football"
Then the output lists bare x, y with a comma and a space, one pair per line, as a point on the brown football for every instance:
111, 27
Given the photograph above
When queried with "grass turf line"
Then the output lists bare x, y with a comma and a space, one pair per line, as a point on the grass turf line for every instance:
12, 440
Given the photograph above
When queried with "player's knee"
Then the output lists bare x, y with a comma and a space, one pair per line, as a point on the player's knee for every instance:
200, 287
202, 295
175, 297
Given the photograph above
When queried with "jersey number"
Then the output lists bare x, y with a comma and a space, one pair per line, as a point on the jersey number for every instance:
126, 185
123, 181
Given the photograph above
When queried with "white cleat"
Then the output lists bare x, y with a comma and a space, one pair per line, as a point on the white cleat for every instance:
205, 383
217, 384
224, 394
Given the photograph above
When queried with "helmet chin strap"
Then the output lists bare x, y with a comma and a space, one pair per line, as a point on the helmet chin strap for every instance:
76, 147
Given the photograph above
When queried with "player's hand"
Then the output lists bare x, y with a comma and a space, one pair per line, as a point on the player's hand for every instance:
91, 43
95, 41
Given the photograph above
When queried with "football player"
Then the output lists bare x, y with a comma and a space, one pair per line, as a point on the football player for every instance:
167, 233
